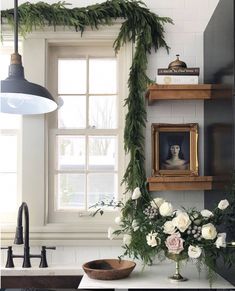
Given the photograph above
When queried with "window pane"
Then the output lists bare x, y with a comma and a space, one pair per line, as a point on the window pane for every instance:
8, 153
10, 121
102, 153
103, 76
71, 189
71, 152
72, 76
102, 112
73, 112
8, 197
101, 187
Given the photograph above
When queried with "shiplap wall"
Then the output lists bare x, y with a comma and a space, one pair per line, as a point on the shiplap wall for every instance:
185, 37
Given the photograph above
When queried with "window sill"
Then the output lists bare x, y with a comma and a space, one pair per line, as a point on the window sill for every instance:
62, 234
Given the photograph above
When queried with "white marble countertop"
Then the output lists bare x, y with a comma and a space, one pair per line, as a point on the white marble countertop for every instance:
66, 270
156, 277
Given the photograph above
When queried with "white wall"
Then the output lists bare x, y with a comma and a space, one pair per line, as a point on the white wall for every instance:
185, 38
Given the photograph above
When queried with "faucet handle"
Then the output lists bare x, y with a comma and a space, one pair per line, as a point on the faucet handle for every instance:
9, 263
43, 263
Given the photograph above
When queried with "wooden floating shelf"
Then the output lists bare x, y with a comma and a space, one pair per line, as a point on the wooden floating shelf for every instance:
188, 92
180, 183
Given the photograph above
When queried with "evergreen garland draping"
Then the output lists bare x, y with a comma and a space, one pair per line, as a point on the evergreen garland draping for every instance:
140, 26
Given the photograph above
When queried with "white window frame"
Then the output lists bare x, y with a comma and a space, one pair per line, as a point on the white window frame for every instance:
89, 230
62, 52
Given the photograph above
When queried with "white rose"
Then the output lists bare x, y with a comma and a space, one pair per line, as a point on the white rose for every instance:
209, 231
181, 221
110, 233
136, 193
166, 209
221, 240
152, 239
169, 227
194, 252
126, 239
223, 204
177, 211
135, 225
118, 220
157, 202
206, 213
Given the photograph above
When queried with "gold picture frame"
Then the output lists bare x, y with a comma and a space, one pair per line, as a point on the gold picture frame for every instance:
174, 149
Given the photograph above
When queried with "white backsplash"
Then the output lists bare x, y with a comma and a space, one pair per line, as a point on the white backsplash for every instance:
64, 255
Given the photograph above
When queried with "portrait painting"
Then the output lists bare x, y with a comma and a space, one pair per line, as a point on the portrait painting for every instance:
174, 149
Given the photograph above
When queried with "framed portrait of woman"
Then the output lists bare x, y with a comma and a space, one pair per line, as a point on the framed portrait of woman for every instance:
174, 149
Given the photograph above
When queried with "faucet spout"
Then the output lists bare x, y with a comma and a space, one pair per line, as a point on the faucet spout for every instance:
19, 233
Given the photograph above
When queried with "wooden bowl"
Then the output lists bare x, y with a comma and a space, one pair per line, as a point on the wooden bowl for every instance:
108, 269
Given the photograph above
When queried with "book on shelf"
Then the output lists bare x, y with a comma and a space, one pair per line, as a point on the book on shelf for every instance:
176, 79
179, 71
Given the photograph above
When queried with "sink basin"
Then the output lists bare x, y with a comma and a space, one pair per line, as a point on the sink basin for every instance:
51, 277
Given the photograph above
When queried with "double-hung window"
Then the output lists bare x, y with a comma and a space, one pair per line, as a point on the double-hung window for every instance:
64, 162
86, 133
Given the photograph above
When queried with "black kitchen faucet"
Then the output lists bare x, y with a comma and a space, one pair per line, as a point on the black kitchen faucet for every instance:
19, 240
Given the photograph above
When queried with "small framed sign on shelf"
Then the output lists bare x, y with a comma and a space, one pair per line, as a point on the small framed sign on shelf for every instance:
174, 149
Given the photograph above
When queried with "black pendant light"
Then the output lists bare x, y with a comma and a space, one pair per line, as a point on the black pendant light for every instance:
17, 95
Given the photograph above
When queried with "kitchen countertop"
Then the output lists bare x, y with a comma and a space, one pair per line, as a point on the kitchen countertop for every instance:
66, 270
156, 276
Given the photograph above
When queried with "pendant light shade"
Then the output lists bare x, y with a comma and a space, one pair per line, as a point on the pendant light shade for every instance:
17, 95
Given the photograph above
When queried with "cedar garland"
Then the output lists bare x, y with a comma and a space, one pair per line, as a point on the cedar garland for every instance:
140, 26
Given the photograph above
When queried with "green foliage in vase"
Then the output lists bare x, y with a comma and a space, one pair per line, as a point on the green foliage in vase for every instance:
179, 235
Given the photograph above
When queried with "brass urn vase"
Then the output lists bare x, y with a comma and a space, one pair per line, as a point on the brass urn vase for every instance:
177, 64
177, 277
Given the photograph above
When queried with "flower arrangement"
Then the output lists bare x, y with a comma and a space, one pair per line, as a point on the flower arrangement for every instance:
161, 230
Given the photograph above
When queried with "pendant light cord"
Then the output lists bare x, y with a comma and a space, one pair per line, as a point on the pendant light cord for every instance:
16, 26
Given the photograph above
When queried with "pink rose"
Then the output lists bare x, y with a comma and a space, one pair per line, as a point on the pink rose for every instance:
174, 243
